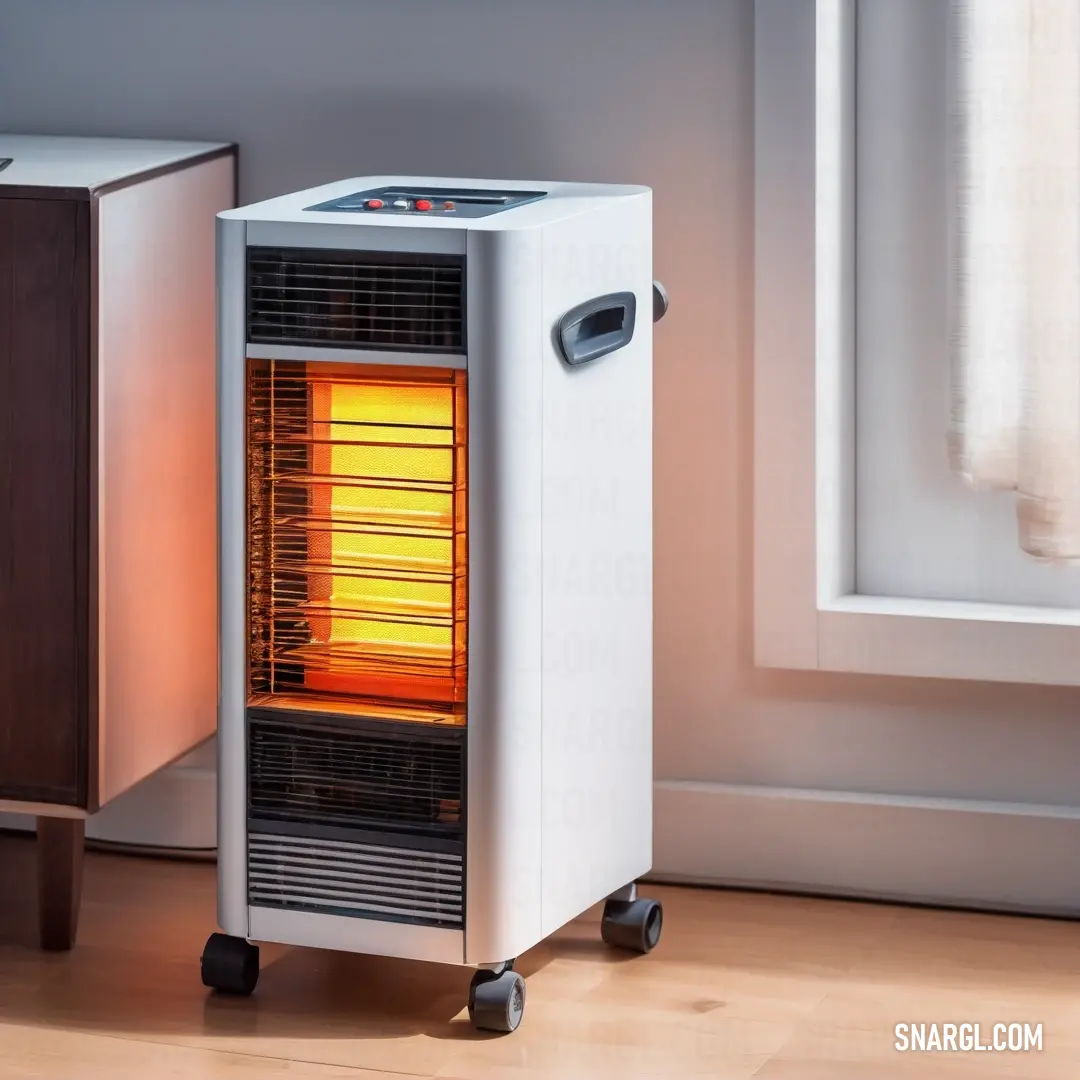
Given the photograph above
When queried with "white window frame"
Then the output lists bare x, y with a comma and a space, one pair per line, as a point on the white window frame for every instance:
807, 614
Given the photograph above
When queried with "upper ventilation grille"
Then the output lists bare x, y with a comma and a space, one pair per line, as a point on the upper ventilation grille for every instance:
396, 301
407, 778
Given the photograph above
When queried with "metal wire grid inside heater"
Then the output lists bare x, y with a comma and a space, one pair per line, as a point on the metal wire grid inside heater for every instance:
357, 653
357, 538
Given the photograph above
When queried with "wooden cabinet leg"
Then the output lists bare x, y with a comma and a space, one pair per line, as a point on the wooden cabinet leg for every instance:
60, 861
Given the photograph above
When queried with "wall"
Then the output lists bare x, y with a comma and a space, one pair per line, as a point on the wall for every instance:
936, 790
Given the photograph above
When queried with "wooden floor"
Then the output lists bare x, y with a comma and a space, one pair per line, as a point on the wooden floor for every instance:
741, 986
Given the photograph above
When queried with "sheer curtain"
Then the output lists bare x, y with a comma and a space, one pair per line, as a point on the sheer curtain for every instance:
1016, 261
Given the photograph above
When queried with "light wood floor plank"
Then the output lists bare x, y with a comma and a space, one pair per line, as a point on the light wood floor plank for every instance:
46, 1054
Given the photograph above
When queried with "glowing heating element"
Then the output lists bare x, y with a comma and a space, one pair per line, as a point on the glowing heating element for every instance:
358, 538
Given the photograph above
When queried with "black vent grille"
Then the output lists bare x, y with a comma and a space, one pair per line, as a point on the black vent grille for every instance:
396, 301
384, 776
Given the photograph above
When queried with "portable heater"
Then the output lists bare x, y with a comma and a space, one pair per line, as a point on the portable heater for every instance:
435, 485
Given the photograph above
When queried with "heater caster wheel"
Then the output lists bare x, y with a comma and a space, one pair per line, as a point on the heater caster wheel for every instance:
230, 965
497, 1000
632, 924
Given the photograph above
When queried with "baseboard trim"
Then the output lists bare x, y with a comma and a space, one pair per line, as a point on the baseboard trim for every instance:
1015, 857
174, 810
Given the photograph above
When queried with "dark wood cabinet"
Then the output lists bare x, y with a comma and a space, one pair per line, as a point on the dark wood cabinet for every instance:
44, 508
107, 637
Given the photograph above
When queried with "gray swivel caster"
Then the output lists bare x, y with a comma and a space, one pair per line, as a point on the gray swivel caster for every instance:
497, 999
230, 964
632, 924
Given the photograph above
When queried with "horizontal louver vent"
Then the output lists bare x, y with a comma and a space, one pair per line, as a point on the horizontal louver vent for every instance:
357, 880
325, 772
356, 299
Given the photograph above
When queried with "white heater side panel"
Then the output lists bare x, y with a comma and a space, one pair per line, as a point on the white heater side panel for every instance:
156, 462
597, 570
503, 882
232, 577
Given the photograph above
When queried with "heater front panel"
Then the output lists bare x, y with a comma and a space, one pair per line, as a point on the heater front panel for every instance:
357, 639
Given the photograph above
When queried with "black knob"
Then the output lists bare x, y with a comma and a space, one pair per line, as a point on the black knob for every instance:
660, 301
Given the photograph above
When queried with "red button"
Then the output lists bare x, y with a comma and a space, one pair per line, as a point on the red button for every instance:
374, 204
423, 204
449, 206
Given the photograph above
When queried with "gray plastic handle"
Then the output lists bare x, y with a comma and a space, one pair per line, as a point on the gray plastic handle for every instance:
597, 327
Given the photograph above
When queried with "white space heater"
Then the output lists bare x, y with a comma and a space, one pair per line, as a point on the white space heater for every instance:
435, 720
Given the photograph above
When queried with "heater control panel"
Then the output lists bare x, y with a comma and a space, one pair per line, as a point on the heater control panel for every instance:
442, 202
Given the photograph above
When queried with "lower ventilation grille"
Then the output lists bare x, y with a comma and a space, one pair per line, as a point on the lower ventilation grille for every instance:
397, 777
359, 880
